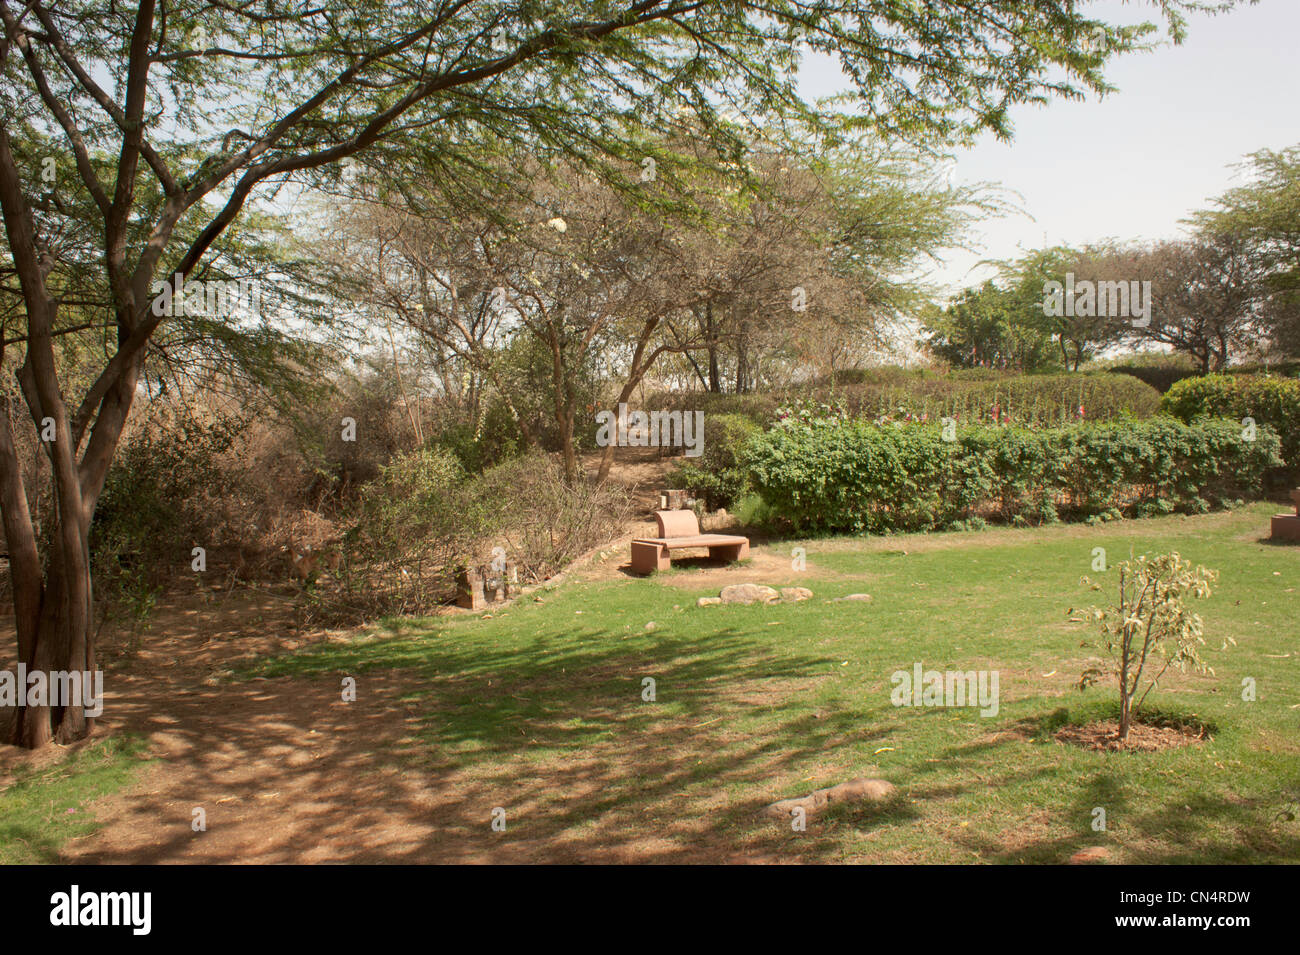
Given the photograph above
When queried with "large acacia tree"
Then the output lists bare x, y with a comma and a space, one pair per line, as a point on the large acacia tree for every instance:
177, 112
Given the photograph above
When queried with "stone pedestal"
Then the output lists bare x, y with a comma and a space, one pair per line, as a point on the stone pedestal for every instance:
469, 589
674, 500
1287, 526
478, 587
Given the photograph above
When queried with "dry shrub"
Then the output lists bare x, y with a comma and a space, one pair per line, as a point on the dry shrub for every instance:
423, 519
544, 523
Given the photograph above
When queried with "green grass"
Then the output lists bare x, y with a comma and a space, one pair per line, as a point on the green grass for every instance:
541, 704
42, 809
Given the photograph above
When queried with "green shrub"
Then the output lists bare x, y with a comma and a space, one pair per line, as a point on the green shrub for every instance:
416, 514
1263, 399
163, 496
860, 477
478, 445
717, 477
424, 518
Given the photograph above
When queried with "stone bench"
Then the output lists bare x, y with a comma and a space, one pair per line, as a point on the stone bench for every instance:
680, 530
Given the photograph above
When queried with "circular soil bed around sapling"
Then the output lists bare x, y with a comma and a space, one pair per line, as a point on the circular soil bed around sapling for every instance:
1146, 734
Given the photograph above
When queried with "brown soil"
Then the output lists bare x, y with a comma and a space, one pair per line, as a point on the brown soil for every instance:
285, 771
1142, 737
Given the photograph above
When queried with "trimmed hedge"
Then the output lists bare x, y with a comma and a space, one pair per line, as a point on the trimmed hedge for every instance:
970, 397
1269, 400
860, 477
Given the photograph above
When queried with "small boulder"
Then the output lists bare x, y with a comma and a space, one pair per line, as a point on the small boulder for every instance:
748, 594
795, 593
708, 601
861, 789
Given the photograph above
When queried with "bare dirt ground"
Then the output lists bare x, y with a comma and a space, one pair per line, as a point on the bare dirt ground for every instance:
285, 771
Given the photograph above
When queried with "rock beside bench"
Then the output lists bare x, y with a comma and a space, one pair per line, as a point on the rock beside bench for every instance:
755, 593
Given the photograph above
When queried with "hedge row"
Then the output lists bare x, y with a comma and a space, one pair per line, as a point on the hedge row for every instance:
1265, 400
859, 477
1036, 400
1164, 375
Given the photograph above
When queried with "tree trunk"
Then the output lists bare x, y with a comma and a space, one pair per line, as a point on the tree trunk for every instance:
64, 641
563, 409
1125, 694
711, 339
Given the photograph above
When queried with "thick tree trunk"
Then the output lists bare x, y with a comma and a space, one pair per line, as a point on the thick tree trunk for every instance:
64, 642
607, 456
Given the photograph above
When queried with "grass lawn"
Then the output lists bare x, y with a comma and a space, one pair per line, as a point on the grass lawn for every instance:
41, 809
538, 709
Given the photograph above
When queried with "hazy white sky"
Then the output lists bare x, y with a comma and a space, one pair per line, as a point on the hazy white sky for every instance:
1133, 164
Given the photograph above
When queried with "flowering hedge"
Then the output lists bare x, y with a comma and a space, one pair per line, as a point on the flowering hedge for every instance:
860, 477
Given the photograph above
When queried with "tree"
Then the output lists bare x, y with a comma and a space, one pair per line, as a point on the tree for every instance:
1263, 218
1095, 319
817, 262
1208, 295
178, 111
1150, 619
990, 327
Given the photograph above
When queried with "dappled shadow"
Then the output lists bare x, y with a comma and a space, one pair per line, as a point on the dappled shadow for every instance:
1181, 827
554, 732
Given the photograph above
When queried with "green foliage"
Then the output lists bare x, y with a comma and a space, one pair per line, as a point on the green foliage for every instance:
970, 396
415, 510
158, 503
492, 440
1265, 215
717, 477
992, 327
1150, 620
1265, 399
860, 477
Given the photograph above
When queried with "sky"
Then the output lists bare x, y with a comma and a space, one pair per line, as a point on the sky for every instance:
1132, 164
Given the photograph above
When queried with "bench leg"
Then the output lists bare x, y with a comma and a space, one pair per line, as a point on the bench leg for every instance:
730, 552
647, 558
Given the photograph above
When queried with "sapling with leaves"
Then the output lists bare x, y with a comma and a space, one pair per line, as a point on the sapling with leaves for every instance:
1150, 620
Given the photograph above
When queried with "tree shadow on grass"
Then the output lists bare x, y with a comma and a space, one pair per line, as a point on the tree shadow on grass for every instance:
554, 734
1178, 827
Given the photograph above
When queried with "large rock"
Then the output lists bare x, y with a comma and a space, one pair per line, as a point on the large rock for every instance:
749, 594
855, 790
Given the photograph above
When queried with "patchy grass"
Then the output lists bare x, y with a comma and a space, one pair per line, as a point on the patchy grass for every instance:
539, 708
41, 809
